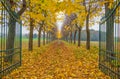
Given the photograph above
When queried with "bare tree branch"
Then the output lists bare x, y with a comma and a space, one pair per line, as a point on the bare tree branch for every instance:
21, 11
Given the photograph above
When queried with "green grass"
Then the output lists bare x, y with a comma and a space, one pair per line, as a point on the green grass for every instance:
25, 42
81, 51
92, 43
26, 39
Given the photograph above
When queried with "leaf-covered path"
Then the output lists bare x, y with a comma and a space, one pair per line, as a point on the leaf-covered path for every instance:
58, 61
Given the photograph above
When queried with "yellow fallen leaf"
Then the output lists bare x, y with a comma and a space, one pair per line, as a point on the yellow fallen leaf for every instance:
72, 75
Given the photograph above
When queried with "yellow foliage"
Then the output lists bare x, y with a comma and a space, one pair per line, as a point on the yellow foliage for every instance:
59, 61
59, 35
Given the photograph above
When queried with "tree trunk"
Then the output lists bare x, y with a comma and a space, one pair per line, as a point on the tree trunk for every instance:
71, 37
47, 38
31, 35
88, 33
10, 39
65, 39
44, 36
75, 36
39, 37
79, 36
51, 37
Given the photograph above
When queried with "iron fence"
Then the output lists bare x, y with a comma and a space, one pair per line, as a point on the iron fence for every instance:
10, 40
109, 43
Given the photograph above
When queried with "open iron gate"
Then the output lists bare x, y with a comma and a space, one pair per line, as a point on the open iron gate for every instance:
10, 40
109, 43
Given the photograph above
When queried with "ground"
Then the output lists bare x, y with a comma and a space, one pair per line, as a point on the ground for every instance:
59, 60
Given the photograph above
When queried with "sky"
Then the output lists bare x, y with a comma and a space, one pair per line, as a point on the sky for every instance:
59, 23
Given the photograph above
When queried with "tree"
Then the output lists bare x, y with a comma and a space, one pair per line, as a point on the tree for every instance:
91, 8
75, 32
80, 20
39, 33
38, 12
80, 14
30, 48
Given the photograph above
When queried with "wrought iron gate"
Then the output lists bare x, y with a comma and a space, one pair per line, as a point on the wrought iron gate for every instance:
10, 57
109, 43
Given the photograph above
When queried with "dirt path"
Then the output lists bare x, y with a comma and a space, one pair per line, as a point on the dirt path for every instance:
57, 62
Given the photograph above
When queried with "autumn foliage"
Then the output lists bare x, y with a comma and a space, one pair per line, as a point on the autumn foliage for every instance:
59, 61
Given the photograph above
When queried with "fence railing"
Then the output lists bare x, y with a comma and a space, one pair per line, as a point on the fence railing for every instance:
109, 43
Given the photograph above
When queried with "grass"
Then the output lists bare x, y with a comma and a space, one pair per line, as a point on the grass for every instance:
79, 51
25, 42
92, 43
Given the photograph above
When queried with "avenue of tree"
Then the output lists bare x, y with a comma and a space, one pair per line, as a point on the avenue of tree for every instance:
42, 16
